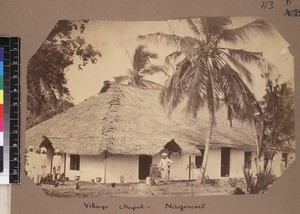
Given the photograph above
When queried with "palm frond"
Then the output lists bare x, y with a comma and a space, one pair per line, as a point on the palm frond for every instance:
236, 93
174, 88
243, 32
170, 40
171, 59
240, 67
197, 89
121, 78
246, 56
216, 24
194, 28
251, 58
212, 26
140, 58
171, 96
153, 69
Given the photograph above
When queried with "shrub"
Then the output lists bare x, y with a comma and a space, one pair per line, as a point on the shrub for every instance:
260, 182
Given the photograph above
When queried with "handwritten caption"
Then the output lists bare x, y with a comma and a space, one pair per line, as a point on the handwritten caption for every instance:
132, 207
289, 10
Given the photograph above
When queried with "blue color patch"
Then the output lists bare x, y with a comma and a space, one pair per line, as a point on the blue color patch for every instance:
1, 54
1, 68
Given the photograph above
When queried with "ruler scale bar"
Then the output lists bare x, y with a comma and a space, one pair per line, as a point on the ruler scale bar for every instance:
11, 109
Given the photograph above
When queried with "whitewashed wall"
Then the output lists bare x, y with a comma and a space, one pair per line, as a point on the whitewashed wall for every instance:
118, 165
214, 164
179, 169
93, 166
213, 170
237, 158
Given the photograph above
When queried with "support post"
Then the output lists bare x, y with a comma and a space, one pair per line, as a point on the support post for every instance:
189, 168
105, 156
65, 163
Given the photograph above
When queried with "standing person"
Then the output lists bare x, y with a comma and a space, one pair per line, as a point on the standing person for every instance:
37, 167
56, 165
164, 166
43, 157
29, 162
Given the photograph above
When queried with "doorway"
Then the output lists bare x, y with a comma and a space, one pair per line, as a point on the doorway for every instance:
225, 162
144, 166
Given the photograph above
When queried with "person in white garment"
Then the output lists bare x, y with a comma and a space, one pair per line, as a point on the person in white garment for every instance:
29, 161
164, 166
37, 166
56, 165
43, 157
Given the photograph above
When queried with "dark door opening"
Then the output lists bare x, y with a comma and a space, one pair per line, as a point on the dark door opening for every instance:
225, 162
144, 166
285, 159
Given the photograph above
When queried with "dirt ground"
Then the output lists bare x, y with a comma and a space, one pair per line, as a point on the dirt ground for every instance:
182, 188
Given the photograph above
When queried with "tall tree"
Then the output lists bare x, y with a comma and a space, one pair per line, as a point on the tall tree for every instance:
276, 123
141, 66
210, 72
47, 93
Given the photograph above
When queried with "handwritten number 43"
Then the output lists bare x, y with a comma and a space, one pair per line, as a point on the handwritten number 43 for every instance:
267, 5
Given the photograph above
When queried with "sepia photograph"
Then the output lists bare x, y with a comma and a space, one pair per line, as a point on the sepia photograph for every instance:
186, 107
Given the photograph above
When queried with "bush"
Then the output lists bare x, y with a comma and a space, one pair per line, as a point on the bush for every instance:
259, 183
238, 191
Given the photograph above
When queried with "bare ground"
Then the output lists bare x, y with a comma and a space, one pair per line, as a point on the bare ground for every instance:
180, 188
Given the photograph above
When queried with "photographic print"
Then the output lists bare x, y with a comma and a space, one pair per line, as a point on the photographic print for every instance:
189, 107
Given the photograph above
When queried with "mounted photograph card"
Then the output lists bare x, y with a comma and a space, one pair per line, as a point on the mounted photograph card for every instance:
199, 106
170, 111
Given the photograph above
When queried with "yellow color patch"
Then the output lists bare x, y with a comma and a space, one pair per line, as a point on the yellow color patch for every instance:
1, 96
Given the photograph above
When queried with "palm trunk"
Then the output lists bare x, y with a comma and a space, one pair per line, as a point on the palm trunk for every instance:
211, 110
206, 150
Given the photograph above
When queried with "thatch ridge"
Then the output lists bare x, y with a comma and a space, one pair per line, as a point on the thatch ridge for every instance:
130, 120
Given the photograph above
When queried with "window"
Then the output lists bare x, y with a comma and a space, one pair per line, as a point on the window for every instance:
199, 159
74, 162
247, 160
284, 158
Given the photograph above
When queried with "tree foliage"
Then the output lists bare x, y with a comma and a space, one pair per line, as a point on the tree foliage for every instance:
211, 74
141, 66
47, 94
276, 123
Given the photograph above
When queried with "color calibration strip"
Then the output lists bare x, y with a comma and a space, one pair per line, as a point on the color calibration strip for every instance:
10, 110
1, 109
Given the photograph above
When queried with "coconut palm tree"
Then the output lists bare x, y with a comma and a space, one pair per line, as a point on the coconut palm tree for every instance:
209, 72
141, 66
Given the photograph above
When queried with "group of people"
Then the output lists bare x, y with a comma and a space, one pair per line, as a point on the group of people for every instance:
36, 164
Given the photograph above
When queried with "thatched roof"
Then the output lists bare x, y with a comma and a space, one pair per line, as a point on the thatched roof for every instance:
130, 120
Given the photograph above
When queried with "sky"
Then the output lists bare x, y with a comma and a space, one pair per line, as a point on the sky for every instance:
117, 42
